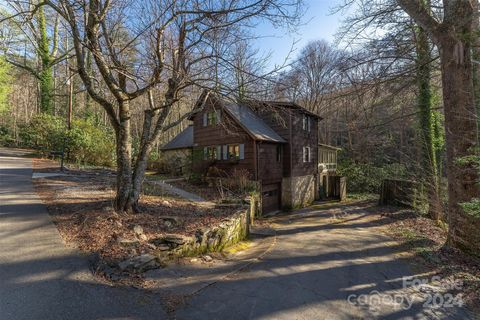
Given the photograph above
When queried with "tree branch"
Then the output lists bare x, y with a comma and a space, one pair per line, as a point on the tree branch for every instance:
416, 10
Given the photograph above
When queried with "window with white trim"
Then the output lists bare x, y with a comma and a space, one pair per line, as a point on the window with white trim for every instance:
307, 122
307, 155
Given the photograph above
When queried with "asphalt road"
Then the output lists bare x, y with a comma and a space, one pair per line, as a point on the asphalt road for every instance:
40, 278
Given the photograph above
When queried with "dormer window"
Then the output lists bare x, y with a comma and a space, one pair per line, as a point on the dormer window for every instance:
211, 118
307, 122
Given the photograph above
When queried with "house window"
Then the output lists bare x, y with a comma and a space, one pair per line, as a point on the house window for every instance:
233, 152
279, 153
211, 153
307, 154
211, 118
307, 123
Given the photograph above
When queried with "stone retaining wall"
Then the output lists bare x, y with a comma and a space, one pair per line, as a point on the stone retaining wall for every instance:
229, 232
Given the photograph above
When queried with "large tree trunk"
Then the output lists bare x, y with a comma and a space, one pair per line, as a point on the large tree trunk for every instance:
427, 124
454, 37
46, 82
476, 58
461, 138
124, 160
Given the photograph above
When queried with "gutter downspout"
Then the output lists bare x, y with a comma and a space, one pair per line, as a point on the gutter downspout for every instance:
291, 160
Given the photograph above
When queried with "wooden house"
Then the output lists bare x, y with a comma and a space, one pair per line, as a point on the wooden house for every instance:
275, 142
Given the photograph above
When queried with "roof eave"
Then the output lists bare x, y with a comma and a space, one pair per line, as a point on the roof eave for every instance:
176, 148
329, 147
269, 140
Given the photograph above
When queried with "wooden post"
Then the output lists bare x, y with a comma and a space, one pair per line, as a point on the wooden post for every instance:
343, 188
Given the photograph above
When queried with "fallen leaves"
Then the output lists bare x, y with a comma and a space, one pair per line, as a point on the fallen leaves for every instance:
81, 205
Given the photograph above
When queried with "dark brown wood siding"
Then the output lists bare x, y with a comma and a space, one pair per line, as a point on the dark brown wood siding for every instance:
288, 123
279, 120
302, 138
227, 132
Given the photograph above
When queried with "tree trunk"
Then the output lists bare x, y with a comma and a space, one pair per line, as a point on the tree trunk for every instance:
124, 160
427, 123
88, 100
476, 59
46, 84
46, 88
461, 138
139, 176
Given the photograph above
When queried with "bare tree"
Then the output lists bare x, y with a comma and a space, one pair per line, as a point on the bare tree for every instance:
313, 74
138, 47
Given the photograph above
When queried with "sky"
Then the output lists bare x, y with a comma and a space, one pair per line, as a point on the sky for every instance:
317, 23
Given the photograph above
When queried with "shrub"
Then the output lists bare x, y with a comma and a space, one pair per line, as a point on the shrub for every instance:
44, 133
237, 183
85, 143
6, 137
169, 162
89, 144
473, 207
367, 178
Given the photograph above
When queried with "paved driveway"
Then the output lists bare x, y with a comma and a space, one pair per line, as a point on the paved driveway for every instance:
322, 260
40, 278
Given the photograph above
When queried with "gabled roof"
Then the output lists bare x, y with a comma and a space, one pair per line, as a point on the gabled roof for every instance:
243, 115
183, 140
252, 123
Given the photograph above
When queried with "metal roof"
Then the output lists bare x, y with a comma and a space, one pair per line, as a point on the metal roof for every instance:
252, 123
183, 140
329, 147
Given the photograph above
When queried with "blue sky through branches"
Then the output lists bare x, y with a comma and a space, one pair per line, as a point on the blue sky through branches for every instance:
318, 23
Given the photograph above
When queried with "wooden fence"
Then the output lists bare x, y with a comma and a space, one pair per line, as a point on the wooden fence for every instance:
334, 187
399, 192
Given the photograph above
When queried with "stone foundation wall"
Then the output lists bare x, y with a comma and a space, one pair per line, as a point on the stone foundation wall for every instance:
229, 232
298, 192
